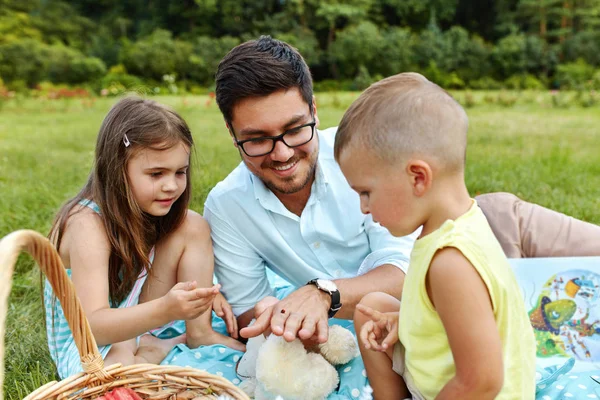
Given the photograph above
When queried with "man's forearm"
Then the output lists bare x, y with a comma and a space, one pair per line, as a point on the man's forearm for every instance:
385, 278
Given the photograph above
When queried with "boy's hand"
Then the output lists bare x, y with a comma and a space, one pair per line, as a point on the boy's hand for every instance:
381, 332
222, 308
185, 301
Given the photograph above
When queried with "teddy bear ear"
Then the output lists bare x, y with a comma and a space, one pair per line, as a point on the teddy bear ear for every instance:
341, 347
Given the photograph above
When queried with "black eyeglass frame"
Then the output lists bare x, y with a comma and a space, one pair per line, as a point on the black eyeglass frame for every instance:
275, 139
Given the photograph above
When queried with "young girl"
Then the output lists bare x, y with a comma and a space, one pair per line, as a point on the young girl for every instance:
139, 259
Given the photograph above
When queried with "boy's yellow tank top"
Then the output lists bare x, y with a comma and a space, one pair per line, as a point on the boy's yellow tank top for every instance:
428, 356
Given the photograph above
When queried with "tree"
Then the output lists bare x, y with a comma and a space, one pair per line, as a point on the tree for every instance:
206, 54
586, 15
60, 22
355, 46
336, 12
546, 14
15, 21
305, 41
432, 11
152, 56
23, 60
398, 54
519, 54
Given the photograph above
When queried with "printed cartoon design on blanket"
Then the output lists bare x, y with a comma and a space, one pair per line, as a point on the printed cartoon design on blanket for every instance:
566, 316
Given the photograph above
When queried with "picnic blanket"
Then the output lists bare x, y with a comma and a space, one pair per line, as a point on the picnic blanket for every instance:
562, 296
221, 360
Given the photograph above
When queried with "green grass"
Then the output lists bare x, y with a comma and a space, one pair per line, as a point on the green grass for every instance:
547, 155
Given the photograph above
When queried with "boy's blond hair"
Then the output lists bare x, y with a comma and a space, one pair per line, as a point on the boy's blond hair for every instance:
406, 115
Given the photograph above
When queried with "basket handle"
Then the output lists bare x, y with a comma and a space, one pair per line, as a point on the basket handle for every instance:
51, 265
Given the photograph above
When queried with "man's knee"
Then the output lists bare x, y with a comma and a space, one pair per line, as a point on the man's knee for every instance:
529, 230
502, 213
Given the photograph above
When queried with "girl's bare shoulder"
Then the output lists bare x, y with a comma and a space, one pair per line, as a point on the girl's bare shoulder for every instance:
196, 224
84, 229
83, 218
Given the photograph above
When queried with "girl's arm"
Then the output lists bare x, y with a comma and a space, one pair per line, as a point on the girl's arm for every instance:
197, 263
462, 300
86, 249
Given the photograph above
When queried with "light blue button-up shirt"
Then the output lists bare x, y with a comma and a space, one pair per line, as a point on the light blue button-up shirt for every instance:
252, 231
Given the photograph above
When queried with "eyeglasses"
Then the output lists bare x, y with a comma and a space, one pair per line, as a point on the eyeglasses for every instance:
262, 146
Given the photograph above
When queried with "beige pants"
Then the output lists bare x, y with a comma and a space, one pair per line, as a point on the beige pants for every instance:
529, 230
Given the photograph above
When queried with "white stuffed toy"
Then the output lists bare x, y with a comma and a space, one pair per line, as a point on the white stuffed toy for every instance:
280, 369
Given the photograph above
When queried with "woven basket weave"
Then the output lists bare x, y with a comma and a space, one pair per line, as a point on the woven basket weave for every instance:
150, 381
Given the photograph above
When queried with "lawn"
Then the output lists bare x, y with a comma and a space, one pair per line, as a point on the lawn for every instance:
546, 154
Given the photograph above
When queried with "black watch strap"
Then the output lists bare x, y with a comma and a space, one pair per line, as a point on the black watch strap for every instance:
335, 305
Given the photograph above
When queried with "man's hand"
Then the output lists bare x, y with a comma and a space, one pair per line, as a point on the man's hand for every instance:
381, 332
303, 314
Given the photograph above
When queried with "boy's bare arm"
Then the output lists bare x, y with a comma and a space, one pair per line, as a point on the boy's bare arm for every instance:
462, 300
386, 278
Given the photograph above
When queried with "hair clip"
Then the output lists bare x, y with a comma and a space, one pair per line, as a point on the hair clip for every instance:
126, 141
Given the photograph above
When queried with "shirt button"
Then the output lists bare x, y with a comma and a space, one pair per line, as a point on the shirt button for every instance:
316, 245
339, 273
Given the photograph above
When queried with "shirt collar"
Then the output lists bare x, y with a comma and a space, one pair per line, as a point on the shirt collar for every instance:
267, 198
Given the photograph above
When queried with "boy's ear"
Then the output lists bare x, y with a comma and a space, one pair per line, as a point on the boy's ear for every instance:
420, 175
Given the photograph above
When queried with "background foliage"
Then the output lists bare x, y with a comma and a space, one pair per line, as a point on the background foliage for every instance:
482, 44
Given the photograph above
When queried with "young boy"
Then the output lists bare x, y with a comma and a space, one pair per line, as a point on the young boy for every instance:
463, 330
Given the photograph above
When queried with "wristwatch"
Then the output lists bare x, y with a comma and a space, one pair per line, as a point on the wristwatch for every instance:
330, 288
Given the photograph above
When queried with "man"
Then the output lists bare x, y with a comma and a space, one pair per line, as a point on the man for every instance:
288, 208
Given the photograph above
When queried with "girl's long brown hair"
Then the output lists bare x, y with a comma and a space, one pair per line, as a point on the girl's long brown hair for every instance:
131, 231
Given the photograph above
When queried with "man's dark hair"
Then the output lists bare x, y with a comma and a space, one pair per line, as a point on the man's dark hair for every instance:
258, 68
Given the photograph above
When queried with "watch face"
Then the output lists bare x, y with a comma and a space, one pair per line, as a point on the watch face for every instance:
327, 285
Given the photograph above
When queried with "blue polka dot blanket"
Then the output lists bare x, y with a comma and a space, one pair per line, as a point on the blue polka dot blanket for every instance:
221, 360
562, 296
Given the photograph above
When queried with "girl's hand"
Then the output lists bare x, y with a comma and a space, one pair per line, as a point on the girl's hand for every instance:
185, 301
223, 310
381, 332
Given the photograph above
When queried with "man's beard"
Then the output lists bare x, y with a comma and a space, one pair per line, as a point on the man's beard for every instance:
291, 188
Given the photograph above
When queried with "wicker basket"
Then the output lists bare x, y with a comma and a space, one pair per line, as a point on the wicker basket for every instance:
150, 381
